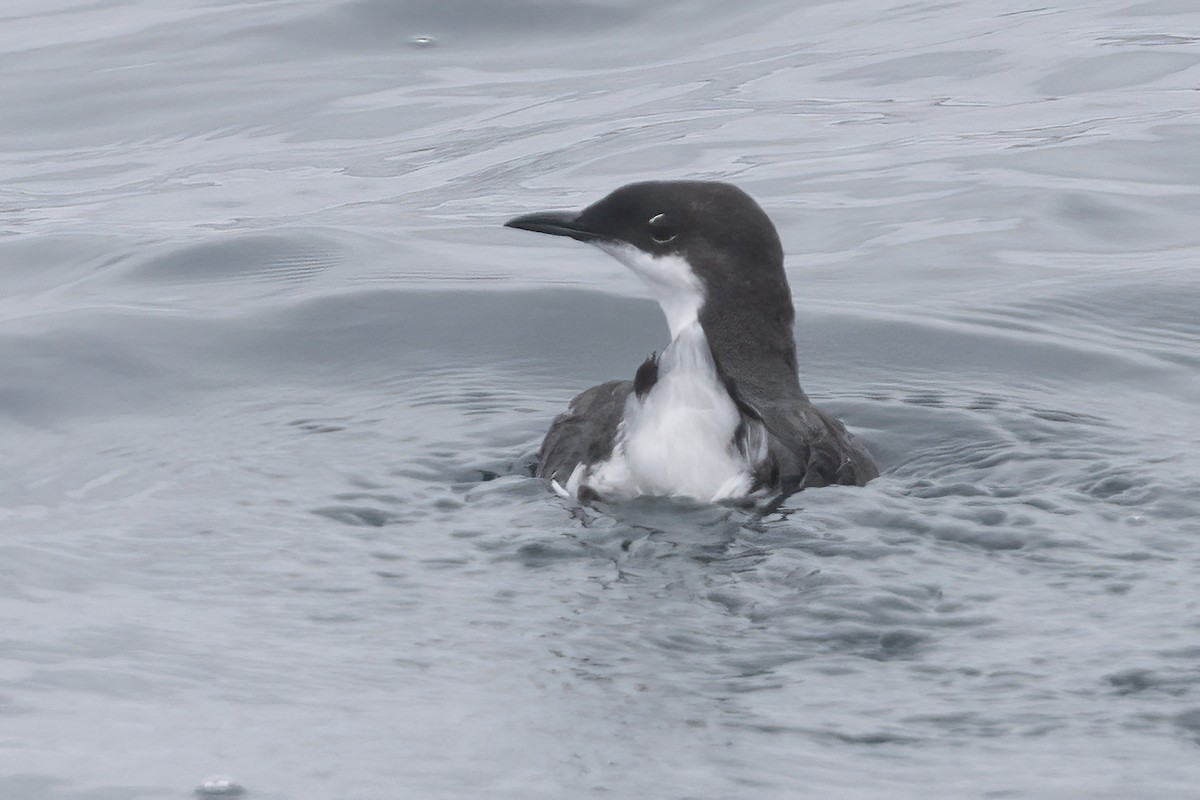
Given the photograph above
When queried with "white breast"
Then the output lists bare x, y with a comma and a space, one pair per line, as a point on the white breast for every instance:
678, 440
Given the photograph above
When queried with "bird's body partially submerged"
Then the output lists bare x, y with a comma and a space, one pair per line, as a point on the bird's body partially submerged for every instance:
720, 414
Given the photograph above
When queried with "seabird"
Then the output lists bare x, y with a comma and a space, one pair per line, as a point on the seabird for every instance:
719, 414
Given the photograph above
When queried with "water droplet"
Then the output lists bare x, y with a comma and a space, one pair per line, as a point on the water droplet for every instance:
219, 787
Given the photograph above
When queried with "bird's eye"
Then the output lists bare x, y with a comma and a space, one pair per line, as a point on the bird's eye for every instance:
661, 230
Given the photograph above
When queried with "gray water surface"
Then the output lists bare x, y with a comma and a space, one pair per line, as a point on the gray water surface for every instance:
272, 376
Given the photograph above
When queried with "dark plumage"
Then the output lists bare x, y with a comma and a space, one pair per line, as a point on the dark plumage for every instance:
646, 376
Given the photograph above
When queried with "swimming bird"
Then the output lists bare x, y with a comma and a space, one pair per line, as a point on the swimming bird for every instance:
719, 414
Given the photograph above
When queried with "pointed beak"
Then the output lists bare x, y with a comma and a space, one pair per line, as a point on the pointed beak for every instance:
555, 223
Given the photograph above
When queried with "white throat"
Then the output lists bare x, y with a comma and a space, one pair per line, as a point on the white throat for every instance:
670, 279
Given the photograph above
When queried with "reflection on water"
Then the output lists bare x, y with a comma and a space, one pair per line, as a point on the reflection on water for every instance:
274, 378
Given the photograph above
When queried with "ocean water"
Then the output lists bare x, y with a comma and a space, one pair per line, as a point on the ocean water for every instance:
272, 376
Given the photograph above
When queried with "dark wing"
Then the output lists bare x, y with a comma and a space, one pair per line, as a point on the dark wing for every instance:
805, 446
810, 448
585, 433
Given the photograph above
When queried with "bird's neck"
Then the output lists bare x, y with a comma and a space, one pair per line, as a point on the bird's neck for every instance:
669, 279
689, 349
755, 346
682, 312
